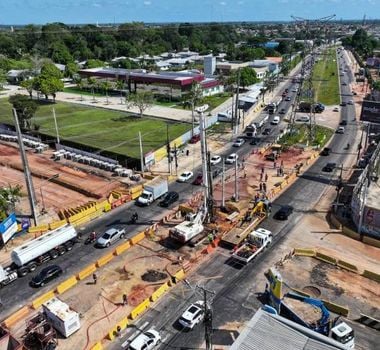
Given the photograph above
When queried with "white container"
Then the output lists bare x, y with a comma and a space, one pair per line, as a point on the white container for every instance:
61, 316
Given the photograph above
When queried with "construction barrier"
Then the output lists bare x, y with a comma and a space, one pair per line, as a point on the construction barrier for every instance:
136, 195
371, 275
325, 258
97, 346
105, 205
345, 265
304, 252
371, 241
159, 292
370, 321
335, 222
112, 334
55, 224
138, 238
104, 260
39, 228
17, 316
139, 309
40, 300
136, 189
80, 221
86, 272
350, 233
66, 285
180, 275
122, 248
337, 309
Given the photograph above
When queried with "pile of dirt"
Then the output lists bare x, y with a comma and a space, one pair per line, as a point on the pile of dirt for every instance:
153, 276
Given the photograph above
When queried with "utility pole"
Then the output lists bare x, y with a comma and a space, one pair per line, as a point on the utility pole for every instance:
175, 159
339, 185
237, 121
28, 179
56, 126
141, 153
236, 182
207, 318
168, 149
202, 130
223, 195
362, 204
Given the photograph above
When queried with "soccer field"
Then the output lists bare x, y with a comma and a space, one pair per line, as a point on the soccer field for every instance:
105, 129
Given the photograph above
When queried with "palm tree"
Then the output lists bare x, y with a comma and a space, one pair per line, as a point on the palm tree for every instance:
120, 87
91, 83
106, 86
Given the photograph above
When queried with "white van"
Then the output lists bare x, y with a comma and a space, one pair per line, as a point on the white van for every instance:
303, 118
275, 120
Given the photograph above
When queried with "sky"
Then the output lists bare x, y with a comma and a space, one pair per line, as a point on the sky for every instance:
109, 11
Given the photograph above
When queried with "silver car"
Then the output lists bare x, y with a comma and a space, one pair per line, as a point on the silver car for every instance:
110, 236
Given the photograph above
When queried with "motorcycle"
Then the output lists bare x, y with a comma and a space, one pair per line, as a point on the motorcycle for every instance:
348, 146
90, 240
133, 219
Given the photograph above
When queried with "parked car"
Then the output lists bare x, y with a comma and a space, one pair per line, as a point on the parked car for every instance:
288, 98
193, 315
232, 158
145, 341
326, 151
343, 122
329, 167
45, 275
275, 120
238, 142
336, 109
284, 212
198, 180
169, 198
215, 160
340, 130
303, 118
350, 102
344, 83
343, 104
282, 111
185, 176
110, 236
267, 131
195, 138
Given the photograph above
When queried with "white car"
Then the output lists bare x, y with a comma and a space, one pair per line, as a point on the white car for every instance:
340, 130
238, 142
186, 175
350, 102
294, 90
232, 158
336, 109
275, 120
110, 236
145, 341
193, 315
215, 160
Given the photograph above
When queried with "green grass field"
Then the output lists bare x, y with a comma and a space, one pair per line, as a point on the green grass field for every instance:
109, 130
326, 68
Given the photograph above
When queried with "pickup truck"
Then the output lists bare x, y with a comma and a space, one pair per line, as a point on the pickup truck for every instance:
255, 243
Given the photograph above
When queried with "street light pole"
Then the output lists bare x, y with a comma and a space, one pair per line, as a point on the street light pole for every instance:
42, 196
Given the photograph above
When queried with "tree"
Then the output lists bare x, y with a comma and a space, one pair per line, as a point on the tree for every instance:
71, 70
376, 85
49, 81
94, 63
25, 108
106, 86
92, 83
3, 78
141, 100
247, 76
9, 196
28, 85
120, 86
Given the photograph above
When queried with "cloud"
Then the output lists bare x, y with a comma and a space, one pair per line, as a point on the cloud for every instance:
223, 3
147, 3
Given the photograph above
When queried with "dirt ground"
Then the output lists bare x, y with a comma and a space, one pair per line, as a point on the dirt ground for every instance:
56, 196
250, 175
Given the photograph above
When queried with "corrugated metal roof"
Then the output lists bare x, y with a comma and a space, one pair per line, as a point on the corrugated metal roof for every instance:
268, 332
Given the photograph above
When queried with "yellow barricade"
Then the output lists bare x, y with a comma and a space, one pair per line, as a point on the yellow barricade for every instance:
325, 258
180, 275
66, 285
304, 252
346, 265
76, 217
40, 300
159, 292
113, 332
86, 272
135, 189
81, 221
104, 205
104, 260
371, 275
136, 194
138, 238
38, 228
338, 309
122, 248
55, 224
139, 309
97, 346
17, 316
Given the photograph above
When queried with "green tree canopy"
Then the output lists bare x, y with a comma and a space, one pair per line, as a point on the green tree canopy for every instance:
25, 108
49, 81
141, 100
247, 76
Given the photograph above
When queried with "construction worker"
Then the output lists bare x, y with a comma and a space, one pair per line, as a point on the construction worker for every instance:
93, 236
95, 278
125, 299
210, 237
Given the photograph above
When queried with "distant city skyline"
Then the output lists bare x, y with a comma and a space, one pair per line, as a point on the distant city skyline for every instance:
119, 11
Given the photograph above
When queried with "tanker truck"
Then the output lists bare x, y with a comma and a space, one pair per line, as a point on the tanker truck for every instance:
28, 256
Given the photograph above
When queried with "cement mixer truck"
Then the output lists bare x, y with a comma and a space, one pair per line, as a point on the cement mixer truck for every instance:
28, 256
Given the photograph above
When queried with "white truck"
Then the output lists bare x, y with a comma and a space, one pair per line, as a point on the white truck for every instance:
29, 255
255, 243
153, 190
188, 229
